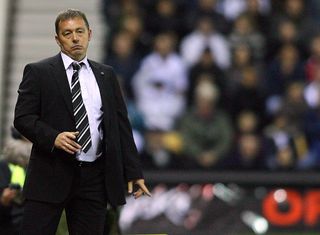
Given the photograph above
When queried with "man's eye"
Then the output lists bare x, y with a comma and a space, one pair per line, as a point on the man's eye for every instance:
66, 33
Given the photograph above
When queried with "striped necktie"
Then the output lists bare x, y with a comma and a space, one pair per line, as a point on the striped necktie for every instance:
79, 110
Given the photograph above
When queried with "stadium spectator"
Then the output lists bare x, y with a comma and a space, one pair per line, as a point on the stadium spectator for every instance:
295, 109
124, 59
285, 69
312, 90
206, 67
114, 11
295, 106
250, 149
249, 95
314, 9
160, 85
313, 63
231, 9
161, 80
206, 131
247, 123
287, 33
284, 159
166, 16
241, 59
312, 118
244, 32
282, 136
202, 37
295, 11
248, 153
208, 8
134, 24
261, 19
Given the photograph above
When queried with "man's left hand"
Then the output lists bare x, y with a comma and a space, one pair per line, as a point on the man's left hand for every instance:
142, 188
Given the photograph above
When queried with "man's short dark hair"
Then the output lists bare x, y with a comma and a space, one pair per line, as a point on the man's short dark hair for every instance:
70, 14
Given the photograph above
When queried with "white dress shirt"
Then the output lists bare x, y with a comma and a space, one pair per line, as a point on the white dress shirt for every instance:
92, 101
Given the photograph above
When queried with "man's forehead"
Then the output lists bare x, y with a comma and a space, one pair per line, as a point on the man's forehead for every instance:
72, 23
72, 19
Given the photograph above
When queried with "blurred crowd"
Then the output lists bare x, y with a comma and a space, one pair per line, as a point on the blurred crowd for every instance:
14, 159
219, 84
224, 84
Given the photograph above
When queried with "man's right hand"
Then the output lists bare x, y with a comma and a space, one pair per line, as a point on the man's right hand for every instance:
7, 196
67, 142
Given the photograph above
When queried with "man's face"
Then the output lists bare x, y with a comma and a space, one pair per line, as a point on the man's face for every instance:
73, 38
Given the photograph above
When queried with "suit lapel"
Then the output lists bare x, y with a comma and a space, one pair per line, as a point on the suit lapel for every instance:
60, 76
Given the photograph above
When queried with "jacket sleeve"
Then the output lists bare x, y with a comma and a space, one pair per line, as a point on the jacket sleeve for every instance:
130, 157
27, 118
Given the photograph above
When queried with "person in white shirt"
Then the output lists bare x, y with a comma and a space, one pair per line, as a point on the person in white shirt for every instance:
159, 87
160, 84
204, 36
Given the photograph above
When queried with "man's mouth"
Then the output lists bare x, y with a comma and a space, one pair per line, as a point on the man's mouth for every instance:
77, 47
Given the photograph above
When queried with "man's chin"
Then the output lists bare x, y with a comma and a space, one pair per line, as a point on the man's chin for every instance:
78, 56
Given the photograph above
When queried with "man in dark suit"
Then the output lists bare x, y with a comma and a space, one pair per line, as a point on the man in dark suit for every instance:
83, 152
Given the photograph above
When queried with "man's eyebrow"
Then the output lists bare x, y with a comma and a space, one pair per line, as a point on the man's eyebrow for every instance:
74, 29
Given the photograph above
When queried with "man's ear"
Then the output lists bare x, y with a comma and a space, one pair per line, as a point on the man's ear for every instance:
57, 40
90, 34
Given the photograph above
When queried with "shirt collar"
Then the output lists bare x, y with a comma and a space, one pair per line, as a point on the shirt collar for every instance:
67, 61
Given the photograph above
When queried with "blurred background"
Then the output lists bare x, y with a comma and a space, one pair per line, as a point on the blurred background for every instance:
223, 97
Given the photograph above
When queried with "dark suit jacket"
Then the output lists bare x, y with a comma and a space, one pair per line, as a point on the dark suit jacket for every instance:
44, 109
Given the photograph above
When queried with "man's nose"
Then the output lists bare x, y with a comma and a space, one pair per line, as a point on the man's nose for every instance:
75, 37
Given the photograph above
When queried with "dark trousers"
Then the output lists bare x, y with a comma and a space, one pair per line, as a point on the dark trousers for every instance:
85, 207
